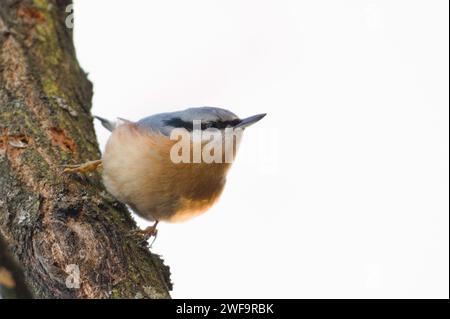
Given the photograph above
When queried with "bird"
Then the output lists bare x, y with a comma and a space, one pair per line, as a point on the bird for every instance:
141, 169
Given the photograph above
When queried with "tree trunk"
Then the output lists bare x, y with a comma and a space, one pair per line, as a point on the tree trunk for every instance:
12, 284
60, 226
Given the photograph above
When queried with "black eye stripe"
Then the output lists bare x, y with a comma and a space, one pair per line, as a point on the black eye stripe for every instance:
177, 122
224, 124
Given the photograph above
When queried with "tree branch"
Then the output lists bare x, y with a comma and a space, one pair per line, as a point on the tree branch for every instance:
56, 224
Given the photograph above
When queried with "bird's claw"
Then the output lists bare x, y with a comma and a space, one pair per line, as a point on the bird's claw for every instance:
145, 234
82, 168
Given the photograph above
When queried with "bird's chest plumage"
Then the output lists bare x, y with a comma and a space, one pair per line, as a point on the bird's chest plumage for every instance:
138, 170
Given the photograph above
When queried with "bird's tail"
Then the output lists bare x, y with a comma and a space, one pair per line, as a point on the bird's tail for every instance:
109, 125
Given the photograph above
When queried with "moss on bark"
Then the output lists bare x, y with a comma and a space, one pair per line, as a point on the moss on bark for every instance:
51, 221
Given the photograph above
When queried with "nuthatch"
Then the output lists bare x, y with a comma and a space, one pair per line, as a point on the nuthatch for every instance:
140, 171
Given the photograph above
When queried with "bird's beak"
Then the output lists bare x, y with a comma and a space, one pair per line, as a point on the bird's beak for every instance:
250, 121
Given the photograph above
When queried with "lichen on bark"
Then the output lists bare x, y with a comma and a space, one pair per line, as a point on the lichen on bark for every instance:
49, 220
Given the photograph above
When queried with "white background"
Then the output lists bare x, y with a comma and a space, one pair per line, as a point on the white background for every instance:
342, 190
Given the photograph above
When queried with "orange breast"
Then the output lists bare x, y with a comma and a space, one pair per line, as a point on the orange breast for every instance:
139, 172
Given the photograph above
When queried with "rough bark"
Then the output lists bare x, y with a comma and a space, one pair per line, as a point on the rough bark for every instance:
12, 282
50, 221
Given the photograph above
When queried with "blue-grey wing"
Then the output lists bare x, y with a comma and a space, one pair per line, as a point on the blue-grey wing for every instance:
156, 123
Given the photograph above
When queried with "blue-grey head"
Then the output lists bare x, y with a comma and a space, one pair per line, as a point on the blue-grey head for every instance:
209, 117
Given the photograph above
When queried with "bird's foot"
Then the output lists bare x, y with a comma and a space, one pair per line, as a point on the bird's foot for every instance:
147, 233
83, 168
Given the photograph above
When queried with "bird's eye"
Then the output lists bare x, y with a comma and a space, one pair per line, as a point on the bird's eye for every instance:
179, 123
207, 125
224, 124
